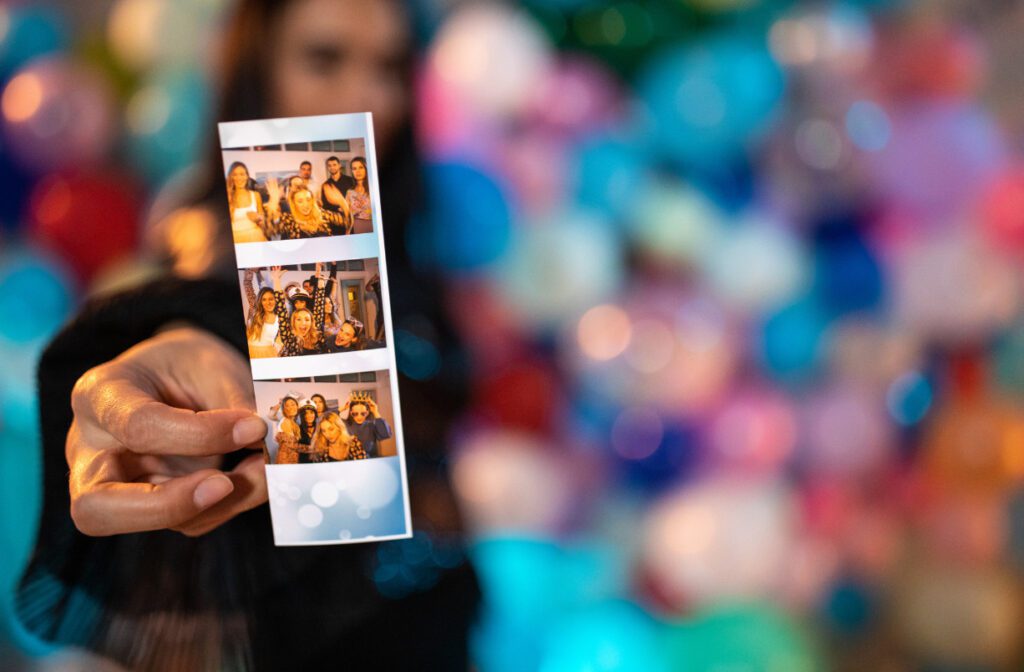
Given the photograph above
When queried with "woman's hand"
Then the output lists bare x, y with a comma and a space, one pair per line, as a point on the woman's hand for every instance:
372, 406
273, 193
149, 434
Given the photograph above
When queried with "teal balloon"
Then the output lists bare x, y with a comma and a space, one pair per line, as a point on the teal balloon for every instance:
706, 101
749, 638
1008, 360
35, 297
610, 174
20, 502
613, 636
19, 400
499, 644
791, 341
520, 578
171, 114
30, 32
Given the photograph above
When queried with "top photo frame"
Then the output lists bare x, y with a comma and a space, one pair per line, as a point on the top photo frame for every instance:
292, 181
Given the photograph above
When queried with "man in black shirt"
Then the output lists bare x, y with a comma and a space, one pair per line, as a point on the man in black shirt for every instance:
337, 179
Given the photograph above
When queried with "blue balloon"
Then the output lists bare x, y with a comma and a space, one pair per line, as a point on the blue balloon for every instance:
848, 277
17, 187
468, 224
849, 606
910, 398
417, 358
705, 101
791, 341
35, 297
610, 174
31, 32
180, 101
672, 461
615, 636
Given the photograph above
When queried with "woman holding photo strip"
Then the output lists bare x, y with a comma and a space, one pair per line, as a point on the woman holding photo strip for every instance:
154, 548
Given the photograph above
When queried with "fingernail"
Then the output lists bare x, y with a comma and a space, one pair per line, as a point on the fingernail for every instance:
248, 430
212, 490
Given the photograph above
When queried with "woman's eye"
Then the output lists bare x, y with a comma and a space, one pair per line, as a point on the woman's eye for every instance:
321, 59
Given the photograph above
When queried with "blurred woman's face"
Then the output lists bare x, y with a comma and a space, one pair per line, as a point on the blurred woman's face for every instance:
358, 412
358, 170
291, 407
304, 203
268, 302
301, 323
334, 56
320, 405
346, 335
309, 417
239, 177
331, 431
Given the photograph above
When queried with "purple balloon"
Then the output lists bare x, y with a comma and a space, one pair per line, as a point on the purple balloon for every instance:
579, 95
938, 158
58, 114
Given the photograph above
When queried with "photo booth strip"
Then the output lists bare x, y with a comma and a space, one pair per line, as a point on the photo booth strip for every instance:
350, 501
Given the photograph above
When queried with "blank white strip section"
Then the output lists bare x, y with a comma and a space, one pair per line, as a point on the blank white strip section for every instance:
307, 250
235, 134
335, 363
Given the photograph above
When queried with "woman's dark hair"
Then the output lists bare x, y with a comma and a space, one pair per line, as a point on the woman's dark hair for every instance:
246, 59
357, 327
306, 431
366, 179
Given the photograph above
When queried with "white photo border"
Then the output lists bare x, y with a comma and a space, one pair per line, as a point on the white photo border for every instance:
260, 132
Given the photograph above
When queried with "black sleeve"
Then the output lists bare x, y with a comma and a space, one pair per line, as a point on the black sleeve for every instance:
67, 567
230, 594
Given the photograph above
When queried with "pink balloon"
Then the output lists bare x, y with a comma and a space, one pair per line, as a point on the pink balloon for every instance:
578, 95
58, 114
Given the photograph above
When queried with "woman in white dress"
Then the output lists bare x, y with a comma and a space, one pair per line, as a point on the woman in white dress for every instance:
247, 217
263, 326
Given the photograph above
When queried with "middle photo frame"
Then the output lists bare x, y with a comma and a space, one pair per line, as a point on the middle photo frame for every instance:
303, 319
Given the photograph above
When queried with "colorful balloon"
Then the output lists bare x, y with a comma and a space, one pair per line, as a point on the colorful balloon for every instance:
28, 32
741, 637
719, 540
89, 219
704, 102
468, 224
58, 114
609, 636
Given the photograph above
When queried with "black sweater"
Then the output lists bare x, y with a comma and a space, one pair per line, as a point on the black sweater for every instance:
229, 599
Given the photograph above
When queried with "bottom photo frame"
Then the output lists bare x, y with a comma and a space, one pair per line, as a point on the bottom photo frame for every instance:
334, 470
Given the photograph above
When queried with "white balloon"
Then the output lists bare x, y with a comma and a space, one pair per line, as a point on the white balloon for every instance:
720, 540
494, 57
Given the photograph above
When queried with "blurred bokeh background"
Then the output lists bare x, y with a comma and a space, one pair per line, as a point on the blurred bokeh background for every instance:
739, 283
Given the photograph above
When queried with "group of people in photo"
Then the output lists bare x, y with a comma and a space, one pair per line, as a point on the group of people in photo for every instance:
298, 207
302, 318
308, 431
